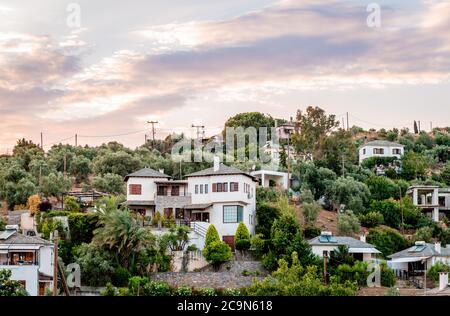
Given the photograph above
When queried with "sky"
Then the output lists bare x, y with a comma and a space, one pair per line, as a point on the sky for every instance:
105, 72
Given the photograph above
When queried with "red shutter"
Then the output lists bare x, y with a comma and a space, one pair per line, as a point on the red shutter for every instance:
135, 189
214, 187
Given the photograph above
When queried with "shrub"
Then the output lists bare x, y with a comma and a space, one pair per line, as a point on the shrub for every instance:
208, 292
242, 237
391, 211
217, 252
2, 224
258, 245
348, 223
393, 292
436, 269
71, 204
120, 277
231, 292
306, 196
388, 278
156, 218
423, 234
211, 235
183, 291
371, 219
310, 232
82, 227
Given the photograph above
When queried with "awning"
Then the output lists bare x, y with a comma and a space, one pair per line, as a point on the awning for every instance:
407, 260
197, 207
363, 250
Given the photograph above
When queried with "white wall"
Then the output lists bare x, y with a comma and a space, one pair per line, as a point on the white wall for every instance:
221, 199
46, 260
148, 188
388, 152
29, 274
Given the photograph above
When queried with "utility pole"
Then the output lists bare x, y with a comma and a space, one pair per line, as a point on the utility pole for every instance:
42, 141
55, 263
325, 255
419, 127
348, 126
289, 160
343, 166
401, 209
198, 130
343, 123
76, 140
153, 130
65, 164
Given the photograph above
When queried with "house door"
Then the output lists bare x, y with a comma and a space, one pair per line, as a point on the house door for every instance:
205, 217
168, 212
42, 288
229, 240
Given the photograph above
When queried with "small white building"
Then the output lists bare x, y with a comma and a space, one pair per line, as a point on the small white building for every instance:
419, 258
269, 178
326, 243
285, 130
381, 148
30, 259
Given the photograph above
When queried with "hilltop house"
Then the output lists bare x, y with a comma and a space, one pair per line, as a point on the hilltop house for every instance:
326, 243
30, 259
432, 200
221, 195
380, 148
270, 178
419, 258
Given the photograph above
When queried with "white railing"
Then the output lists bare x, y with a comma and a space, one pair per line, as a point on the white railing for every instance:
200, 228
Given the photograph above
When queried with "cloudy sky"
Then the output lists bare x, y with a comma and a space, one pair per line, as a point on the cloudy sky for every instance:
193, 61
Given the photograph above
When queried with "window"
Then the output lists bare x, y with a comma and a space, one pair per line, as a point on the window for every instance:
219, 187
135, 189
225, 187
364, 151
396, 151
378, 151
206, 189
234, 187
214, 187
201, 188
233, 214
196, 189
179, 213
175, 191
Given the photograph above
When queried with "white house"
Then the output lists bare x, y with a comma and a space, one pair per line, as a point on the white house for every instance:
432, 200
380, 148
221, 195
270, 178
30, 259
285, 130
326, 243
419, 258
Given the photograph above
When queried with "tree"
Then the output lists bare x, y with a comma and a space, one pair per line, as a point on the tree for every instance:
71, 204
242, 237
338, 148
217, 252
343, 190
9, 287
251, 119
348, 223
121, 163
80, 167
109, 183
313, 178
314, 127
423, 234
382, 188
177, 238
33, 204
55, 184
445, 174
96, 264
387, 240
266, 215
371, 219
414, 166
391, 211
311, 212
416, 128
119, 232
18, 193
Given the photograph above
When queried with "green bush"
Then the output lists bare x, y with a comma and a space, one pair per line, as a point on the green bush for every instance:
310, 232
348, 223
82, 227
311, 212
371, 219
423, 234
266, 215
71, 204
388, 278
183, 291
217, 252
242, 238
436, 269
2, 224
258, 245
120, 277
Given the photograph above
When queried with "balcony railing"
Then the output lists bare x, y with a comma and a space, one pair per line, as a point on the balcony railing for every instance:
181, 194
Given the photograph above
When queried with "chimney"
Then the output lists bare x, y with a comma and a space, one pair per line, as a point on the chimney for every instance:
12, 228
216, 163
362, 238
161, 171
437, 247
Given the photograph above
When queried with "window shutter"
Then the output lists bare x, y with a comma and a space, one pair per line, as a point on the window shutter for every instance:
236, 186
225, 187
240, 214
214, 187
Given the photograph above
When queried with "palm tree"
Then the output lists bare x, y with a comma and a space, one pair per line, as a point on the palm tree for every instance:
121, 233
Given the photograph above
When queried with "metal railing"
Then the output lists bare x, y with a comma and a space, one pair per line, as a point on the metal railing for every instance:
200, 228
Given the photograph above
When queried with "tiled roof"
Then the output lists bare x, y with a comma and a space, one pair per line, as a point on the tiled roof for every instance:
20, 239
197, 206
428, 250
140, 203
341, 241
223, 170
147, 173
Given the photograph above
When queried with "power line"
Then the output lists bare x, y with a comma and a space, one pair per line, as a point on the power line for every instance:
113, 135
